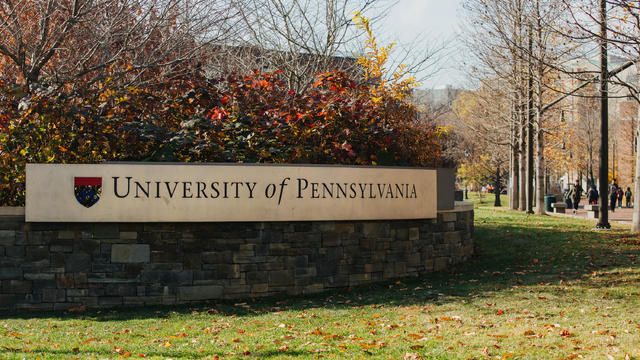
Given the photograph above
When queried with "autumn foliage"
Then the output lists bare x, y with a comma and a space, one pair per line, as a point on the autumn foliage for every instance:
250, 119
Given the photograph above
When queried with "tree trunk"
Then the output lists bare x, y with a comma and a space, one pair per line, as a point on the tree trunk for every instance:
522, 171
530, 127
540, 169
497, 187
515, 179
603, 218
635, 224
514, 190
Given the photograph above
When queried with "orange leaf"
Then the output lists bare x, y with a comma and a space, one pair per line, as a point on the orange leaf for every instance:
500, 312
507, 356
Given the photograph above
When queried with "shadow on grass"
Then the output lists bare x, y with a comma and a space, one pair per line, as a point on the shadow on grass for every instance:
512, 250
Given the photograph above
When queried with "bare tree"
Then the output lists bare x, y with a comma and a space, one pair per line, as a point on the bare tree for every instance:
86, 41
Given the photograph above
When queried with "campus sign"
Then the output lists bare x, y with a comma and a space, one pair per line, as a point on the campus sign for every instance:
124, 192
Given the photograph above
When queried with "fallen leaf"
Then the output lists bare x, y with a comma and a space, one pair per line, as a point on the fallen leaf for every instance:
412, 356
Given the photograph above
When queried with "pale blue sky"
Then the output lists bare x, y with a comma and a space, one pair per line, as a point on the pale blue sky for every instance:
434, 20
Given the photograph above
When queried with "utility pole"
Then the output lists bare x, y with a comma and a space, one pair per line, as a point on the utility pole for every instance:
530, 126
603, 218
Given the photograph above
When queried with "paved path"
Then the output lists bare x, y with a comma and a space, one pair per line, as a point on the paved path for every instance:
622, 214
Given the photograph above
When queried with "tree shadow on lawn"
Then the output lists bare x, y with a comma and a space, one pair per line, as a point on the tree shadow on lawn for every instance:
514, 251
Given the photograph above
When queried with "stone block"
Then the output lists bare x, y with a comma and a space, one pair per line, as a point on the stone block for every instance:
34, 306
120, 290
107, 268
243, 290
130, 253
400, 268
8, 273
414, 259
128, 235
77, 263
345, 227
36, 253
106, 231
253, 277
167, 277
200, 292
414, 234
54, 295
313, 289
35, 266
7, 237
40, 276
61, 248
281, 278
88, 246
110, 301
204, 277
452, 238
77, 292
306, 271
7, 301
217, 257
447, 217
331, 239
402, 234
440, 263
14, 251
258, 289
16, 286
65, 306
375, 229
358, 278
67, 234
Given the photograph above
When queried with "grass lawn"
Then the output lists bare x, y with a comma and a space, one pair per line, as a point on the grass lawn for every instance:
538, 288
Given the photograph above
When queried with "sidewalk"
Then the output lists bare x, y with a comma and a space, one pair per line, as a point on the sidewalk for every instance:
623, 214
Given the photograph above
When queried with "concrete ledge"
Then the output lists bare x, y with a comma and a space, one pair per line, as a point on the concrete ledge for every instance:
460, 206
11, 210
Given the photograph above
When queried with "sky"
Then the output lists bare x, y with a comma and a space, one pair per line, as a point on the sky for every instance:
433, 21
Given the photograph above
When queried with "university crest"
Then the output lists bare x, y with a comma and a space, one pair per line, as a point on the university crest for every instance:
87, 190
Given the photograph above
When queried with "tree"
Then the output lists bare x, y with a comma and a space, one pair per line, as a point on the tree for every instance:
512, 43
482, 123
78, 43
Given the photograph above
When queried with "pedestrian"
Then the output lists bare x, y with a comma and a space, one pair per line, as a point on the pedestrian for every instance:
627, 195
567, 199
613, 198
620, 194
592, 195
575, 193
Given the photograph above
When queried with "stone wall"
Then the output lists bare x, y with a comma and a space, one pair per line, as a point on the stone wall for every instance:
51, 266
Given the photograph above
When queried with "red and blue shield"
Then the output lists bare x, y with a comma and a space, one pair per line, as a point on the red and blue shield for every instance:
88, 190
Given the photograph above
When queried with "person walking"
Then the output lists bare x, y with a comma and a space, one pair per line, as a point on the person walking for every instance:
613, 197
592, 195
575, 193
620, 195
627, 195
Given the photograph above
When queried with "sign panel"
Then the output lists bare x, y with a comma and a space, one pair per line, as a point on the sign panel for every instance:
125, 192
